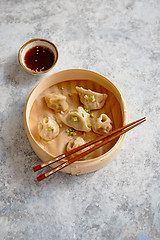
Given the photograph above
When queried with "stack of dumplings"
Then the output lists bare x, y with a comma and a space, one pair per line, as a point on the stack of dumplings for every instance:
78, 119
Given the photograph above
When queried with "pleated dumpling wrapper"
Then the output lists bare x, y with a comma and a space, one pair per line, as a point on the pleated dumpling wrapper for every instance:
77, 119
48, 128
56, 102
91, 100
74, 143
102, 124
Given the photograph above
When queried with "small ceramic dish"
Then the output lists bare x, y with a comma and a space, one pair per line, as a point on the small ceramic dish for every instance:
38, 56
65, 83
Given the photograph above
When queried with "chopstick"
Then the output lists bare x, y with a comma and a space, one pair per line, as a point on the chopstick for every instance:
64, 155
106, 138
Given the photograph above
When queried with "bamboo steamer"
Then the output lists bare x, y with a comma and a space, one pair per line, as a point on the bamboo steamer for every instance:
35, 109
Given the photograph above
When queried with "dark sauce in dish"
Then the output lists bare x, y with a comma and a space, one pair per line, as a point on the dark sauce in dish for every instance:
39, 58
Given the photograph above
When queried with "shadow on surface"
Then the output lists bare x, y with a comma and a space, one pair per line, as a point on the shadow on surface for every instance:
15, 75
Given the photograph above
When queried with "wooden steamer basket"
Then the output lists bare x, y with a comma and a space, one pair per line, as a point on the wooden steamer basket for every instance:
117, 110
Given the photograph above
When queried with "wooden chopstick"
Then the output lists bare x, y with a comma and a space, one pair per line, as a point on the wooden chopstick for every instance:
64, 155
109, 137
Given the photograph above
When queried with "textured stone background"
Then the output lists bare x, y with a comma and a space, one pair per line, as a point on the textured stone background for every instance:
121, 40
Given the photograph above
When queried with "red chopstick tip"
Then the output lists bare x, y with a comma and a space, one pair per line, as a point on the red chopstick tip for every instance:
41, 177
36, 168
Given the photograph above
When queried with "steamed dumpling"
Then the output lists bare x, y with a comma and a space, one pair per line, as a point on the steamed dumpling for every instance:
102, 125
74, 143
77, 119
48, 128
91, 100
56, 102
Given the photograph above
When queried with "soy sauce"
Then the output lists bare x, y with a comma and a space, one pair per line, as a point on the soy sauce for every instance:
39, 58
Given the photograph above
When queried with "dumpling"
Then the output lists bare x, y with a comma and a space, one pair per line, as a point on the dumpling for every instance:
79, 120
91, 100
48, 128
56, 102
102, 125
74, 143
